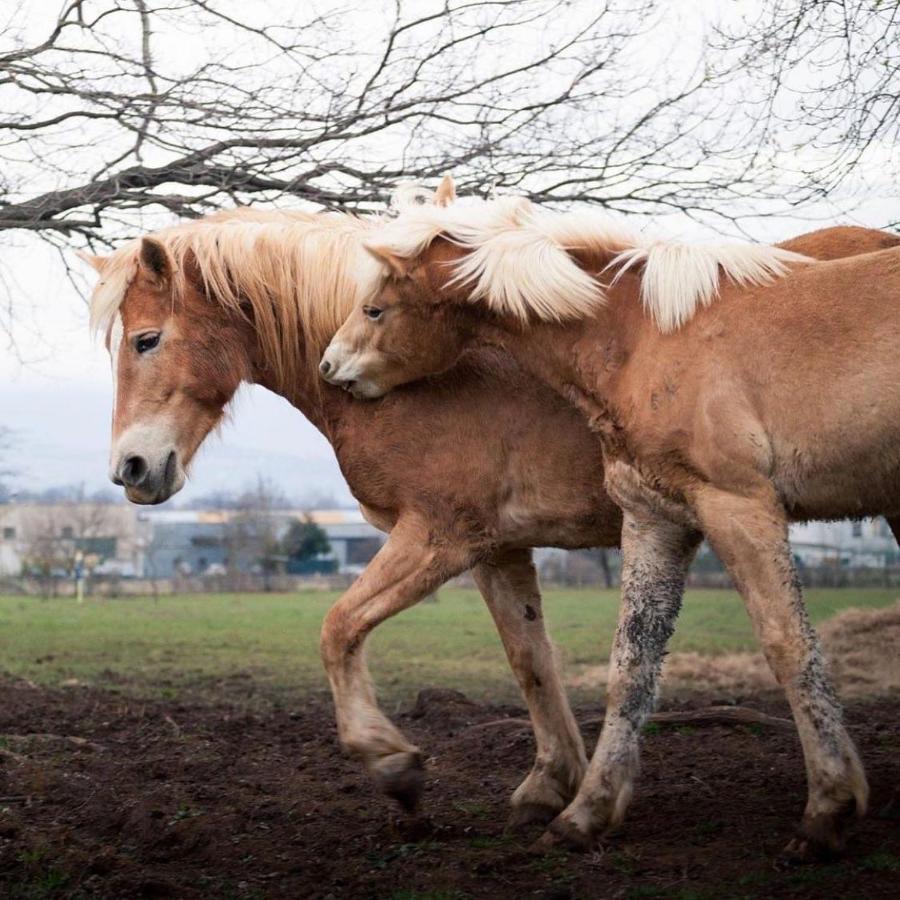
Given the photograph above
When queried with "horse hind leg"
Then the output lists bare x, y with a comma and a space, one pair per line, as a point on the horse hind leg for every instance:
508, 582
750, 536
406, 570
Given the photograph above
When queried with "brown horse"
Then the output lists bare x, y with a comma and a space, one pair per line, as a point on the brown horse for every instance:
725, 409
191, 312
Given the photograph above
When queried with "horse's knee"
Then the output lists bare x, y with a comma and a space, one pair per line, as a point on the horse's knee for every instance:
339, 638
790, 646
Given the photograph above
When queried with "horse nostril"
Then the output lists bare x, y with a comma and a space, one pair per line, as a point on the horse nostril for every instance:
324, 367
171, 462
133, 471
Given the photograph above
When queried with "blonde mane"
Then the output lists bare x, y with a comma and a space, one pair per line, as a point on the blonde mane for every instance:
301, 274
520, 259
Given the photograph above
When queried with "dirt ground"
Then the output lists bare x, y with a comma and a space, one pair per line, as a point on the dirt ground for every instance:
107, 796
102, 796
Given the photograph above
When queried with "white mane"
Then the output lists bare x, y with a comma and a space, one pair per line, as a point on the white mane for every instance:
520, 261
301, 272
257, 250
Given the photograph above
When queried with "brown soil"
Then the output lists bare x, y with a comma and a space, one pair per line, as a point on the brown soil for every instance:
107, 797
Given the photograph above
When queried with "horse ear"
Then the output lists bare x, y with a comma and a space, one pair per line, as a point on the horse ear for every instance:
97, 263
399, 266
445, 193
155, 260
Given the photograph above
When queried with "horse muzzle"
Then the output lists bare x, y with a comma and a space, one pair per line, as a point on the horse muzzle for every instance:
148, 478
346, 372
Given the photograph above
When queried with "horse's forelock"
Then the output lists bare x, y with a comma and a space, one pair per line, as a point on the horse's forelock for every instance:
300, 273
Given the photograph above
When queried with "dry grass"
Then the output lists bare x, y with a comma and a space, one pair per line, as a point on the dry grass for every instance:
862, 647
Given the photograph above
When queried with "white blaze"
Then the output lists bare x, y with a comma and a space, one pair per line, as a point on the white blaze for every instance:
115, 342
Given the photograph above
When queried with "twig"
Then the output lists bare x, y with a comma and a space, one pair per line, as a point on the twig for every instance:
79, 742
175, 726
710, 715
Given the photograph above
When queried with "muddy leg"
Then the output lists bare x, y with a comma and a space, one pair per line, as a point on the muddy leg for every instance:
655, 559
509, 585
750, 536
403, 572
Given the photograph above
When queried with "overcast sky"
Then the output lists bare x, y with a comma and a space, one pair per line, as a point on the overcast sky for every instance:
55, 381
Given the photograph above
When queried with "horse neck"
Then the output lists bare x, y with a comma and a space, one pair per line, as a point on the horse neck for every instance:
581, 359
578, 354
321, 403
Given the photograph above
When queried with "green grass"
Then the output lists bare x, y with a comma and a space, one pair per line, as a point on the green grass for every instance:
271, 641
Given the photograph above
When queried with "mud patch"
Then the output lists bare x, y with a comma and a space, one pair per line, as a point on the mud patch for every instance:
135, 799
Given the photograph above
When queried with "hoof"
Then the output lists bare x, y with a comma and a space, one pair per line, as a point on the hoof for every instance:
820, 838
402, 777
563, 835
523, 817
801, 851
796, 852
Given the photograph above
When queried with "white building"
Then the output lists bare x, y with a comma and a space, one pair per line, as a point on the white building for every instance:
45, 537
191, 542
848, 544
136, 541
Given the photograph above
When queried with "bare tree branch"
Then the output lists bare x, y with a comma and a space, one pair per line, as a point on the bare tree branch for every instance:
821, 83
119, 114
105, 118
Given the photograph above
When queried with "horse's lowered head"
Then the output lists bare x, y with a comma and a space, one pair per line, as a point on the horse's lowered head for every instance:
177, 361
411, 329
404, 333
471, 271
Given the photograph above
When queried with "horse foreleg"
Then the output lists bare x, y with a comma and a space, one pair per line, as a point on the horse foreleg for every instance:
750, 536
508, 583
655, 559
406, 569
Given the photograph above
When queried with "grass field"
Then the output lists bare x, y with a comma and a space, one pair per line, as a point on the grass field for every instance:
232, 644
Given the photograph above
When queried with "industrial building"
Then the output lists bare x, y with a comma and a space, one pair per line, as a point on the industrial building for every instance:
134, 542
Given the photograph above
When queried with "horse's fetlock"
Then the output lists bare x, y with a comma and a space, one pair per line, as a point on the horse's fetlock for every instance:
838, 786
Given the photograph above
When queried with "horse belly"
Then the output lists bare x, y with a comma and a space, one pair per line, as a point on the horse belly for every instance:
844, 498
835, 436
840, 481
572, 522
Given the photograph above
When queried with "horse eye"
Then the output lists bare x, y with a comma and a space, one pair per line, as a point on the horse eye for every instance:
146, 342
372, 312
